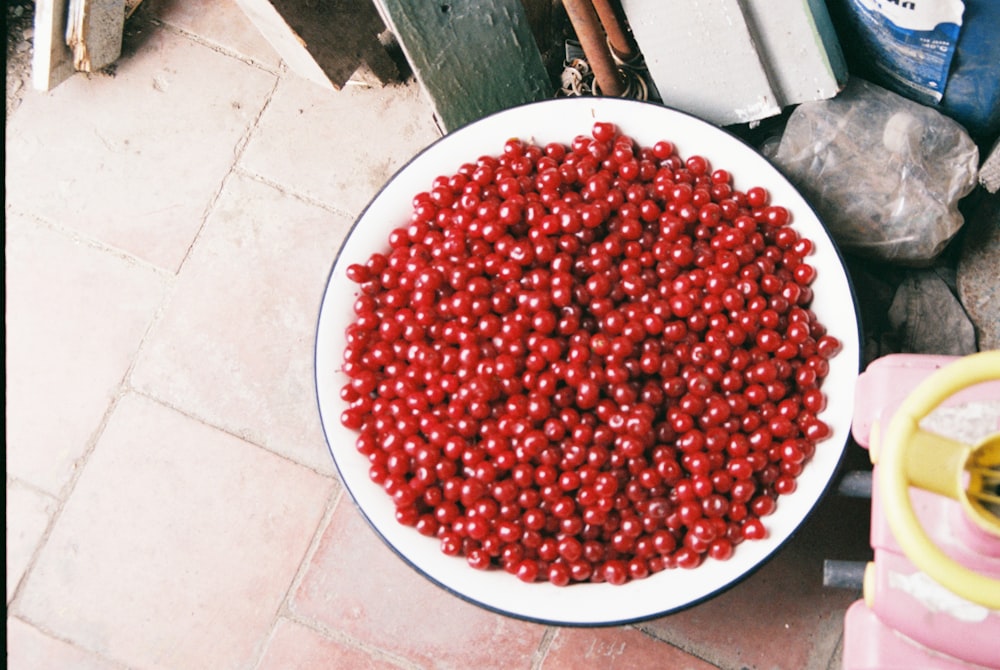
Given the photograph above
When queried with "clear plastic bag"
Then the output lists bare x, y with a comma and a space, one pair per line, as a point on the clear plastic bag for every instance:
884, 173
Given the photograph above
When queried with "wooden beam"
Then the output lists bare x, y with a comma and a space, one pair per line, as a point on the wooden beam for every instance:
51, 61
472, 57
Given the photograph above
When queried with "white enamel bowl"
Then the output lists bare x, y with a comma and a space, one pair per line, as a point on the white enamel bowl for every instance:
584, 603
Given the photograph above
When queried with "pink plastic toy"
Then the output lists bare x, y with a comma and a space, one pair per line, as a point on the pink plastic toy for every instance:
932, 591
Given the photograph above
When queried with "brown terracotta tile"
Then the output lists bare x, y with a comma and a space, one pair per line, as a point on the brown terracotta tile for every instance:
75, 316
135, 159
781, 616
29, 648
339, 147
218, 22
618, 648
357, 586
297, 647
235, 345
177, 545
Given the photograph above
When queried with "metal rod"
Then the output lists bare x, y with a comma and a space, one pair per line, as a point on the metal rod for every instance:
844, 574
593, 41
619, 38
856, 484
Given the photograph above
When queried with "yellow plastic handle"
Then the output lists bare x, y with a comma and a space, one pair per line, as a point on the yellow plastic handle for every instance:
935, 464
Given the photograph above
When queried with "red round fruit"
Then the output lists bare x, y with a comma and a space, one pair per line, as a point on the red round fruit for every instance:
588, 361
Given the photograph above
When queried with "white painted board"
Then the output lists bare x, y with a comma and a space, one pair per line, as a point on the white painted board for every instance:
737, 61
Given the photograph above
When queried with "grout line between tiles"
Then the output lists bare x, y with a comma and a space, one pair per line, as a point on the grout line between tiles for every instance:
333, 503
62, 498
284, 606
91, 242
836, 654
347, 640
542, 651
30, 486
286, 611
686, 650
107, 660
263, 645
66, 492
198, 39
63, 495
128, 388
238, 149
56, 503
298, 195
122, 387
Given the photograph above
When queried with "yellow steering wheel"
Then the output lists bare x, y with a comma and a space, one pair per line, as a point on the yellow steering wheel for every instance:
911, 456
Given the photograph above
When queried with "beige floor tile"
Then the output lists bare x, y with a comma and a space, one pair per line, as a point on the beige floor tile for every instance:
30, 649
75, 316
135, 159
339, 147
218, 22
356, 585
28, 514
297, 647
177, 546
235, 344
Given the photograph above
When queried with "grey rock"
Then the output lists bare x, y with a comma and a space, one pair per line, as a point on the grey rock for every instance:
978, 272
928, 318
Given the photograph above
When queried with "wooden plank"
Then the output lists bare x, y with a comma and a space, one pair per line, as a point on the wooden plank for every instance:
325, 41
51, 61
472, 57
94, 33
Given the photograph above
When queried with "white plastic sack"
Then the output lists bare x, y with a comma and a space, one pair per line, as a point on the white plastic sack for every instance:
884, 173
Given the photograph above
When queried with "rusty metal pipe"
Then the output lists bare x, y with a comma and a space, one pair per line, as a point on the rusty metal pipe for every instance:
594, 43
619, 38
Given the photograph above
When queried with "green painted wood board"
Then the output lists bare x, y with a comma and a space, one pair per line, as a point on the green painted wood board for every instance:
472, 57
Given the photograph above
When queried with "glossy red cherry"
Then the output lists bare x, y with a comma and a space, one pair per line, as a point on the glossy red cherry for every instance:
589, 361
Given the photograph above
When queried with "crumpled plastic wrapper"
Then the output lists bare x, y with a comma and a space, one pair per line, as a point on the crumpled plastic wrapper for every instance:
884, 173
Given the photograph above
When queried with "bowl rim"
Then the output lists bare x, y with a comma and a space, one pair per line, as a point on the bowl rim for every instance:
331, 422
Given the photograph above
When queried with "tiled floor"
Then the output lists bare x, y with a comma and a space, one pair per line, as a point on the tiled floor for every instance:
171, 502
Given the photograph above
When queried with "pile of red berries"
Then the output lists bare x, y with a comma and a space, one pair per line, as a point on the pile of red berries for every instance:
587, 362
